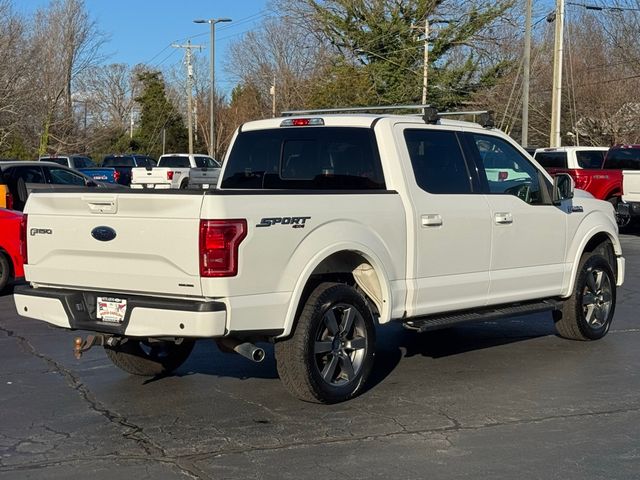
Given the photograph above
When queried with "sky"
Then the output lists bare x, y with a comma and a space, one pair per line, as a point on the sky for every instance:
141, 31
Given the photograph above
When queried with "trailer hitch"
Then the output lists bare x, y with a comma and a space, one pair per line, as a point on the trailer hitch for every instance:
80, 346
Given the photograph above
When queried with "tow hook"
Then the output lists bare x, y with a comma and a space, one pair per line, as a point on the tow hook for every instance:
80, 346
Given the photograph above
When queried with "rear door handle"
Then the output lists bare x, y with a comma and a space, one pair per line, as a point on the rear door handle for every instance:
431, 220
503, 218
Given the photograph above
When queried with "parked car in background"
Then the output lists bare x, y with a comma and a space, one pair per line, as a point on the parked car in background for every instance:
21, 178
178, 170
83, 164
584, 164
623, 161
123, 164
10, 257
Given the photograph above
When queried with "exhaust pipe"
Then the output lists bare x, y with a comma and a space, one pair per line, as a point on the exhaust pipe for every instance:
246, 349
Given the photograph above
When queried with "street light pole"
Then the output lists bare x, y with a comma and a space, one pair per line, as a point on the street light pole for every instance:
556, 99
212, 88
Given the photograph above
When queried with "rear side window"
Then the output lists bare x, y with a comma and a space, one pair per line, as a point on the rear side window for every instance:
437, 161
590, 158
623, 158
30, 174
174, 162
552, 159
313, 158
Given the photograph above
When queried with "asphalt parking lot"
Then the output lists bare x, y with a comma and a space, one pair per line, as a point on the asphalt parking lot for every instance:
496, 400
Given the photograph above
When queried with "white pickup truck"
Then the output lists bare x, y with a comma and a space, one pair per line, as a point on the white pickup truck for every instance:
323, 225
571, 157
178, 170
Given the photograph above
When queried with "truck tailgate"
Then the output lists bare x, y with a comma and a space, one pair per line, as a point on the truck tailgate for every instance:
631, 185
155, 176
154, 249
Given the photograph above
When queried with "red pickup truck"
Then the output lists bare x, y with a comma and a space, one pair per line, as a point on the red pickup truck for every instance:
584, 164
10, 257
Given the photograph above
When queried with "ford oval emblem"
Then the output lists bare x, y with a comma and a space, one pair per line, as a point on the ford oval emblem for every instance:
104, 234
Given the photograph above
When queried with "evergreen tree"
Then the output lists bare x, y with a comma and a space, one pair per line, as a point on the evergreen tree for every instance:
158, 114
384, 39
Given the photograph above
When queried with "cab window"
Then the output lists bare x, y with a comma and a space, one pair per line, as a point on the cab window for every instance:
507, 172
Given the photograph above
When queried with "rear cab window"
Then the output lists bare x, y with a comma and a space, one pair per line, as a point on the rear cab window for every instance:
553, 159
119, 162
174, 161
64, 161
623, 159
311, 158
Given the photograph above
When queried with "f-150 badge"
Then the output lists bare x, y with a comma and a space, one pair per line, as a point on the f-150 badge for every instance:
295, 222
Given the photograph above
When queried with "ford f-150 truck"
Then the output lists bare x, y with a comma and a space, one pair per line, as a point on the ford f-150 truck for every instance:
584, 164
321, 226
178, 170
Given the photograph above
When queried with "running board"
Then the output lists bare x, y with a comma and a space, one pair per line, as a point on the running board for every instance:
436, 322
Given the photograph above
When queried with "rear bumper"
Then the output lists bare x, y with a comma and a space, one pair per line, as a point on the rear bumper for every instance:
151, 186
145, 316
628, 209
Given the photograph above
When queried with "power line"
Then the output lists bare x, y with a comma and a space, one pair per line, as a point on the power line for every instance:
604, 7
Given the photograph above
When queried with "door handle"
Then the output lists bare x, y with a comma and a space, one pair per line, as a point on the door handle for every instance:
431, 220
503, 218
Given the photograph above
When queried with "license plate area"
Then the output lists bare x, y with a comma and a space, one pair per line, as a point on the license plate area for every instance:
111, 309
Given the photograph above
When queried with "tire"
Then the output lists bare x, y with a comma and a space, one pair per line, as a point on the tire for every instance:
587, 314
330, 355
184, 185
5, 271
622, 221
148, 359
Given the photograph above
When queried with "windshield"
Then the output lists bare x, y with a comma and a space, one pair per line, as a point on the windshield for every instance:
623, 158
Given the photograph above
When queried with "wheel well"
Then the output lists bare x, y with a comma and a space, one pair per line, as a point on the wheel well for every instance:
612, 194
340, 267
602, 242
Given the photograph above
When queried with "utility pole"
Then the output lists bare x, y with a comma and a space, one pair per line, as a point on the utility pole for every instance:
554, 137
212, 93
272, 92
188, 48
527, 75
425, 67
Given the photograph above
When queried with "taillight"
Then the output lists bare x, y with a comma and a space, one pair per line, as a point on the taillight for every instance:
169, 175
219, 242
8, 201
23, 239
116, 176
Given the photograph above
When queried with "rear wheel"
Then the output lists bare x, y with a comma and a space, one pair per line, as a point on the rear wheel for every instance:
588, 313
5, 271
184, 184
329, 357
147, 357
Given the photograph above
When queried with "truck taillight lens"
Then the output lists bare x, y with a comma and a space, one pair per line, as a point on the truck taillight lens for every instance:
8, 201
116, 176
219, 242
169, 175
23, 239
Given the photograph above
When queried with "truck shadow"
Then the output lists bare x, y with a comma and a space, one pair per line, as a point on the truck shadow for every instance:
393, 344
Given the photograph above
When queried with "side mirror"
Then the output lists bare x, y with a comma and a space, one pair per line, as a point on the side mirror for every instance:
563, 188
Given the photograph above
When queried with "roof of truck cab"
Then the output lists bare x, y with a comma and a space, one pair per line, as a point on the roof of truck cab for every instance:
363, 120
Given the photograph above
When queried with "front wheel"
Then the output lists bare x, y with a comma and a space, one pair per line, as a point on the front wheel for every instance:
587, 314
148, 357
330, 355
